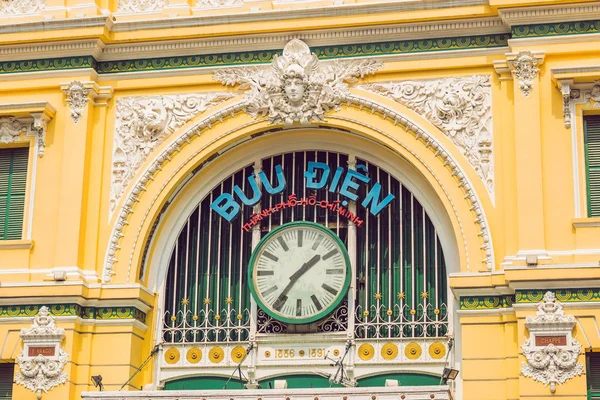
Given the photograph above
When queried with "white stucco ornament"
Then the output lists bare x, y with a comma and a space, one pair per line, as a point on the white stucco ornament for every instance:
16, 7
525, 70
297, 87
135, 6
76, 96
460, 107
551, 351
42, 361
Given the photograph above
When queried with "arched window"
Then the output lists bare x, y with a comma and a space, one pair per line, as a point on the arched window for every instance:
400, 287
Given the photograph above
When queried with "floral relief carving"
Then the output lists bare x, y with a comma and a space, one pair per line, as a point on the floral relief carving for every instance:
15, 7
460, 107
143, 123
77, 98
141, 5
551, 364
297, 87
525, 70
42, 372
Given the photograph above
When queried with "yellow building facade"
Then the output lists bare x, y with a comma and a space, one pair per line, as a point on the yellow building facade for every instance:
152, 150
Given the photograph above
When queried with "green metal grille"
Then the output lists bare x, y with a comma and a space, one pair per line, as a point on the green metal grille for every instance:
13, 180
401, 287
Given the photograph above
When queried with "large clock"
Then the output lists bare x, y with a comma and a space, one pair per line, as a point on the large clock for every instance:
299, 272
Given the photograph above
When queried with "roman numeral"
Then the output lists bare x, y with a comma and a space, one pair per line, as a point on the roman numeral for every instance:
298, 307
269, 291
330, 254
329, 289
262, 273
316, 302
282, 243
270, 256
300, 238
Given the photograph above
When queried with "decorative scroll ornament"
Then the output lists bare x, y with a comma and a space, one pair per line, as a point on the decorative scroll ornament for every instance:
297, 87
460, 107
551, 351
42, 360
143, 123
15, 7
77, 98
525, 70
141, 5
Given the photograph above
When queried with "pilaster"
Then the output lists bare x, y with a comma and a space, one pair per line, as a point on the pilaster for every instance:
81, 98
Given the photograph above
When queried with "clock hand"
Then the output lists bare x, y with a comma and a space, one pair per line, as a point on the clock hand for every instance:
282, 299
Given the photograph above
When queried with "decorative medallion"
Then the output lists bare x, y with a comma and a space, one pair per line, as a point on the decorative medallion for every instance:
389, 351
238, 353
297, 87
172, 355
216, 354
460, 107
550, 350
11, 129
366, 351
42, 361
194, 355
143, 123
525, 70
437, 350
413, 351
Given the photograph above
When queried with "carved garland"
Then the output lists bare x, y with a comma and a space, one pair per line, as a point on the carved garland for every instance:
143, 123
460, 107
296, 89
550, 350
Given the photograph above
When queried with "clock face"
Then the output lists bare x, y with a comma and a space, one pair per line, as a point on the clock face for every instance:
299, 272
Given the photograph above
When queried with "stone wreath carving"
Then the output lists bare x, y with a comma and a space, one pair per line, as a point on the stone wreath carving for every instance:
551, 351
141, 5
42, 361
143, 123
525, 70
459, 107
15, 7
297, 87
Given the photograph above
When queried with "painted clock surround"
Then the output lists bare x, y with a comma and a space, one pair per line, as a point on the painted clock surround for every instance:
309, 262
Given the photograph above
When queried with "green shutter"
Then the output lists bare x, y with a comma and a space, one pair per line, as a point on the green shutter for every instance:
592, 161
7, 372
13, 179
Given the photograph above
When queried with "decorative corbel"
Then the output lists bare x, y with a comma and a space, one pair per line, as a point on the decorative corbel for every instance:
524, 67
25, 119
568, 95
77, 95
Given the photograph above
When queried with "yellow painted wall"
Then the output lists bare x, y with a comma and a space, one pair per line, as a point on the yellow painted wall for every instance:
534, 206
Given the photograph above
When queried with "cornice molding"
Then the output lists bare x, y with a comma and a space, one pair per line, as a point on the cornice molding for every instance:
548, 14
110, 52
